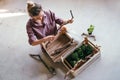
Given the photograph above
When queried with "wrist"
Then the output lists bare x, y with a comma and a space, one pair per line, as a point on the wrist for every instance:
67, 21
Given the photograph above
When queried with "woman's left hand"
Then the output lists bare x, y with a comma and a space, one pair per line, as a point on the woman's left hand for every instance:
70, 21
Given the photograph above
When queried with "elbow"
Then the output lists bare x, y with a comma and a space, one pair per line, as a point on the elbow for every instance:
33, 44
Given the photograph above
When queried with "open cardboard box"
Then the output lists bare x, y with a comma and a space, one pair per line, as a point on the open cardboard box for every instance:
63, 46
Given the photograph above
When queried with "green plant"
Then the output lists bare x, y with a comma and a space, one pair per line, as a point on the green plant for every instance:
79, 53
73, 63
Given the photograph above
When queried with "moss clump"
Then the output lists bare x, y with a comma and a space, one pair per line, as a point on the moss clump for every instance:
79, 53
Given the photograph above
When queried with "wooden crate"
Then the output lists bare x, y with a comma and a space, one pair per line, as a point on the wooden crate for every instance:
63, 40
60, 41
81, 64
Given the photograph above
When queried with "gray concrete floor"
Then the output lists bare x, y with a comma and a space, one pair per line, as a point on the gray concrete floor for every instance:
15, 64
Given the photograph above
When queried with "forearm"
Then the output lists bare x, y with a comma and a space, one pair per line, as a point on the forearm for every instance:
40, 41
65, 22
36, 42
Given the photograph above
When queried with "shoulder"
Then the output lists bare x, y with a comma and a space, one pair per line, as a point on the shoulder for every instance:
29, 22
49, 12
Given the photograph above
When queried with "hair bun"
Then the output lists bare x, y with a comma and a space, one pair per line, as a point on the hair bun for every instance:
30, 4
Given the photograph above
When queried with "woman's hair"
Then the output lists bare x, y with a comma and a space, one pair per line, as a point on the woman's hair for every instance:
33, 8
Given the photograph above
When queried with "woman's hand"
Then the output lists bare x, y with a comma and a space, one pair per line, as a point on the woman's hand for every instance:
63, 29
40, 41
50, 38
70, 21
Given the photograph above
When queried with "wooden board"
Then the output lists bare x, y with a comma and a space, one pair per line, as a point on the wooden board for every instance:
60, 41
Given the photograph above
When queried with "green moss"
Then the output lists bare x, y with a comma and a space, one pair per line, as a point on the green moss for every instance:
79, 53
73, 63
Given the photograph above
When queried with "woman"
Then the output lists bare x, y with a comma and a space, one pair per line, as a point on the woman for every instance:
42, 25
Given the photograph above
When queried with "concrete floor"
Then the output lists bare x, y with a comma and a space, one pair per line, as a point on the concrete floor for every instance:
15, 64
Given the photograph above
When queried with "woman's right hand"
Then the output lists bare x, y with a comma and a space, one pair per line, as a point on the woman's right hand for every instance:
40, 41
50, 38
63, 29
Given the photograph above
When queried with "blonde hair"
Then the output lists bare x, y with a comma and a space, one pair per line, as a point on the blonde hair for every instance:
30, 4
33, 8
